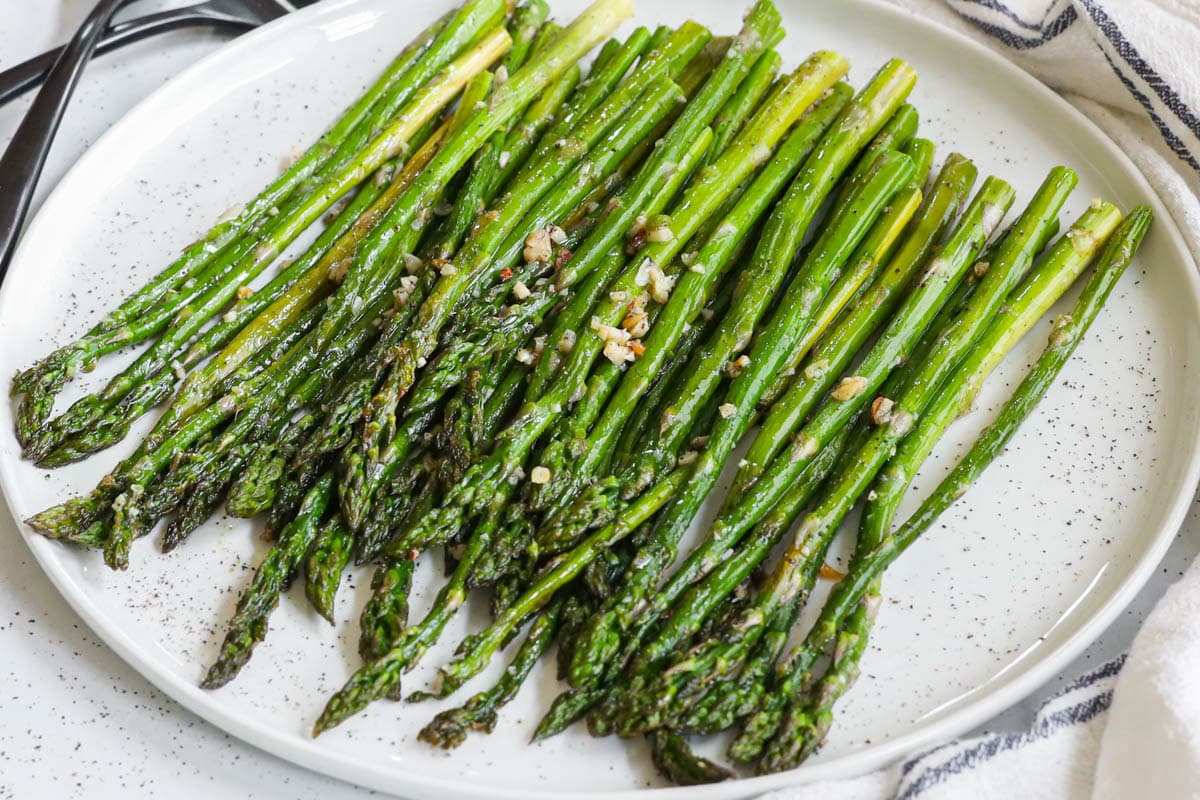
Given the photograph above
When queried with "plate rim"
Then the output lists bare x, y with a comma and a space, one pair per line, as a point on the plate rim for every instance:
309, 755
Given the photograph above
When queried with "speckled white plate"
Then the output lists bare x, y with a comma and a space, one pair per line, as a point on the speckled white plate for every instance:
1011, 584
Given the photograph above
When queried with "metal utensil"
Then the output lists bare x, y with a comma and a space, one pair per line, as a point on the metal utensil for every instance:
23, 160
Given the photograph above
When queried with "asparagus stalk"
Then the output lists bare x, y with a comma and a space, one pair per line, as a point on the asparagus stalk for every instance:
381, 677
563, 525
708, 661
360, 488
386, 612
337, 428
377, 678
477, 649
856, 125
541, 178
794, 312
700, 599
573, 43
1013, 259
537, 416
896, 133
327, 560
1052, 277
221, 281
676, 761
377, 245
832, 355
527, 32
863, 267
249, 624
394, 230
254, 490
252, 324
427, 53
449, 728
711, 187
872, 257
413, 209
743, 102
759, 32
276, 392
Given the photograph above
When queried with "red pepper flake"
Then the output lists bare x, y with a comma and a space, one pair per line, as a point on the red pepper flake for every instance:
505, 274
830, 574
636, 242
412, 555
562, 257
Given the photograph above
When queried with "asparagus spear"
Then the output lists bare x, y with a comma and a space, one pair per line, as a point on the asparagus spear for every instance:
253, 323
281, 390
381, 677
125, 488
481, 184
701, 597
376, 247
537, 416
759, 32
708, 661
873, 255
831, 355
393, 230
337, 428
431, 49
386, 613
1013, 259
675, 760
83, 512
539, 180
378, 677
752, 149
249, 624
576, 98
743, 102
792, 315
359, 488
573, 704
544, 167
762, 21
1057, 270
857, 124
896, 133
220, 282
412, 210
449, 728
254, 490
327, 560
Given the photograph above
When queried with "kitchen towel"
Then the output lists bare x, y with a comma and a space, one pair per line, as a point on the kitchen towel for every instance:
1130, 728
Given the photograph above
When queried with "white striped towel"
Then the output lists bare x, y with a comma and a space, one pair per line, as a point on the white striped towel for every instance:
1054, 758
1130, 729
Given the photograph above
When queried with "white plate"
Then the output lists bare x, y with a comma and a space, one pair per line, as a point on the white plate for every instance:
1011, 584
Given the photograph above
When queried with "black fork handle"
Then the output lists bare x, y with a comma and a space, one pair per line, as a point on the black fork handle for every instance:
22, 162
16, 80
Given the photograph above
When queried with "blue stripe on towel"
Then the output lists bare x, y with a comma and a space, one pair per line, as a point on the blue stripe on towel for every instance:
1106, 670
1012, 16
1047, 33
1120, 45
1140, 66
1169, 136
989, 748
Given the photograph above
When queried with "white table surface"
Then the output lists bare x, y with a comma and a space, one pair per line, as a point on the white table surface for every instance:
77, 722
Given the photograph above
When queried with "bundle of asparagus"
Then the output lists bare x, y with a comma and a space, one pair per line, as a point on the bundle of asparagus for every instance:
544, 309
